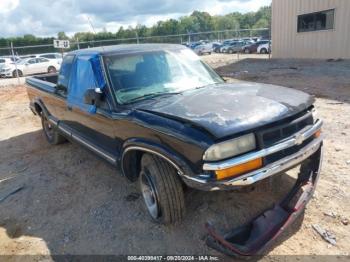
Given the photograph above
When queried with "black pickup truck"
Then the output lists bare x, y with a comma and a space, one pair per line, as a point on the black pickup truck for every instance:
167, 120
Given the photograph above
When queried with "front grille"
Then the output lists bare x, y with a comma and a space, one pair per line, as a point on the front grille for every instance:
271, 136
274, 135
286, 152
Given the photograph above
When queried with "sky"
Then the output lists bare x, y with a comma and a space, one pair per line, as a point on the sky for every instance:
47, 18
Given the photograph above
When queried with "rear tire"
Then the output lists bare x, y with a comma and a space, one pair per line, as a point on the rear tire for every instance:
246, 51
51, 132
230, 51
263, 51
162, 190
51, 69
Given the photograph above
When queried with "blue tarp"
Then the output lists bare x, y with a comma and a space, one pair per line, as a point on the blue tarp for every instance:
86, 74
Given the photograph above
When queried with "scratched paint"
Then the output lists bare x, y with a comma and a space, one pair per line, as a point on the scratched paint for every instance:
227, 109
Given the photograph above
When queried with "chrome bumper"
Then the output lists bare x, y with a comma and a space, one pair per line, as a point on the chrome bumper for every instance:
274, 168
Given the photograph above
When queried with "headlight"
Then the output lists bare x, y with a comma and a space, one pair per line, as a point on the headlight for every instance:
230, 148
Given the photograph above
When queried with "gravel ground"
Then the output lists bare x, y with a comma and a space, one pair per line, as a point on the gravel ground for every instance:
73, 203
11, 81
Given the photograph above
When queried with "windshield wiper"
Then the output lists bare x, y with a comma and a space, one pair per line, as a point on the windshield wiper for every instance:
199, 87
152, 95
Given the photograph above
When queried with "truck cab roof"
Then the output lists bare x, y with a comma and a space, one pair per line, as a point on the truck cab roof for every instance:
126, 49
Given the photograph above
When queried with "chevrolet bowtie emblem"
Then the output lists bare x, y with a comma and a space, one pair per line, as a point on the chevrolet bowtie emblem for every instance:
299, 139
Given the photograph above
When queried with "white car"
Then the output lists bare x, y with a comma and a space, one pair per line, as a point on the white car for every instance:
264, 48
203, 49
56, 56
30, 66
5, 60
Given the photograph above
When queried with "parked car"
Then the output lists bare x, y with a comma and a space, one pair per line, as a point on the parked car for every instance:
264, 48
253, 47
6, 60
235, 47
167, 120
217, 48
56, 56
226, 46
30, 66
203, 49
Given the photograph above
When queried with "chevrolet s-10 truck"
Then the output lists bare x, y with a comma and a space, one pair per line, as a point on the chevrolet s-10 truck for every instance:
165, 119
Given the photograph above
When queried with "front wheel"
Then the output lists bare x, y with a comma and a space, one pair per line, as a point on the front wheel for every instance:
230, 51
16, 73
50, 131
162, 190
246, 51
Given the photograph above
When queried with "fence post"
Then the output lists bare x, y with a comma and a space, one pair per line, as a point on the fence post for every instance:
14, 60
238, 38
137, 37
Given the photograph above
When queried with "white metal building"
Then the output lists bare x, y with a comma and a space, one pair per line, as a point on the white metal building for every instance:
311, 29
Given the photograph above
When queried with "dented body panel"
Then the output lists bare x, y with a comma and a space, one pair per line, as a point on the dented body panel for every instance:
229, 109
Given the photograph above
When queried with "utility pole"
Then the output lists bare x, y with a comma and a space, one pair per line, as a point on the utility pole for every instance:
189, 37
78, 43
14, 60
137, 37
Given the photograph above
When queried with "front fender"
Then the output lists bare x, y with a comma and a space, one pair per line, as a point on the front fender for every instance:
145, 146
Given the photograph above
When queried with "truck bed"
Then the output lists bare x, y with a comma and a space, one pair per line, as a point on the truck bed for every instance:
45, 82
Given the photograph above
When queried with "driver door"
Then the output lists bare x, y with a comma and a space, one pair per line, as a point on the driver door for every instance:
92, 129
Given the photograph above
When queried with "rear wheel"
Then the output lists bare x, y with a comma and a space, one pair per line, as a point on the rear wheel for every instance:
16, 73
263, 51
230, 51
161, 189
246, 51
50, 131
52, 69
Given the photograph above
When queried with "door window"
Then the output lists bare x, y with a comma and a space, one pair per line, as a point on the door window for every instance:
42, 60
82, 79
64, 75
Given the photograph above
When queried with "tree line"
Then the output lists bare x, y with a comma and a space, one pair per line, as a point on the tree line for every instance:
194, 23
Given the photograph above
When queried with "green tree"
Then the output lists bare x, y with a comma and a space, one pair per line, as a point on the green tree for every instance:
62, 36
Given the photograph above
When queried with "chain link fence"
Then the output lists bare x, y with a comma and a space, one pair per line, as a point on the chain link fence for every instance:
213, 36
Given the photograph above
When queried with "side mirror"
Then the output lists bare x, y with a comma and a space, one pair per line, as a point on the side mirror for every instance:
93, 96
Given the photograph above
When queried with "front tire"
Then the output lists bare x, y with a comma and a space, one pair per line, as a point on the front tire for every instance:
50, 131
18, 72
162, 190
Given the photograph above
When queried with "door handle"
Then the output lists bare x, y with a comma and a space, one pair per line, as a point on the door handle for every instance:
69, 108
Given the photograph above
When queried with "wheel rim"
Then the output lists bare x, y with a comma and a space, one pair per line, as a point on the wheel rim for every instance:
246, 51
149, 194
52, 70
48, 128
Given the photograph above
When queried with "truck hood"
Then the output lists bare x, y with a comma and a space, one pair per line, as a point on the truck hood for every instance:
228, 109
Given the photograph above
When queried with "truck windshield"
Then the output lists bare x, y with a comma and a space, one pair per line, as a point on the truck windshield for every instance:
138, 76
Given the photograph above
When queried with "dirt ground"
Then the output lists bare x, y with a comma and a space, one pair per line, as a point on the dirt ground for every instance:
70, 202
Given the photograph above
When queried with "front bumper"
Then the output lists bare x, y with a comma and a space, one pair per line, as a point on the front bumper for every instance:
255, 237
204, 183
6, 73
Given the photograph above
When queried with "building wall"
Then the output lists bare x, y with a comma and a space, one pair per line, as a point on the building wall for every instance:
288, 43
